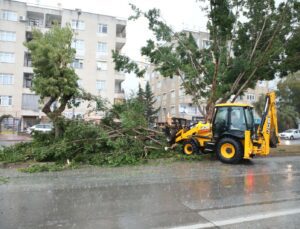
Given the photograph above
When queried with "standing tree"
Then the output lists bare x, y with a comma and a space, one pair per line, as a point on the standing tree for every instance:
150, 111
54, 80
248, 40
140, 94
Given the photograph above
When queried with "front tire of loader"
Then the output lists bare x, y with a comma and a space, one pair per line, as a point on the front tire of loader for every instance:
229, 150
190, 147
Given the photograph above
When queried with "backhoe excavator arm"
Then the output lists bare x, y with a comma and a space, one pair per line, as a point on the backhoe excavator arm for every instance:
267, 132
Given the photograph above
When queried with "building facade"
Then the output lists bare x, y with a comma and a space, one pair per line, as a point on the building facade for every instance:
95, 36
172, 99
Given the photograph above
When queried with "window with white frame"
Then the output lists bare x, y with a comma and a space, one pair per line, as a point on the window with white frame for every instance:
6, 79
79, 46
101, 48
100, 85
76, 24
8, 15
102, 28
250, 97
7, 36
5, 100
77, 63
102, 65
7, 57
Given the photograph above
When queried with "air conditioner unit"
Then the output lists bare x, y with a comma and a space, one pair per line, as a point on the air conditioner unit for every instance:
22, 18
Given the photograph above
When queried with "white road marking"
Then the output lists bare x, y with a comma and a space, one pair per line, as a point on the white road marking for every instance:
249, 218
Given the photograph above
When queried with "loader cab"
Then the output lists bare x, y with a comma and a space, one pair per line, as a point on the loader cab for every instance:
232, 119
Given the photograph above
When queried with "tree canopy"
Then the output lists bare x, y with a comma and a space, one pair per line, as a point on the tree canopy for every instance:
55, 81
249, 41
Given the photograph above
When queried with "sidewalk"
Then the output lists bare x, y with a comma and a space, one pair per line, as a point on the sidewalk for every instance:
14, 137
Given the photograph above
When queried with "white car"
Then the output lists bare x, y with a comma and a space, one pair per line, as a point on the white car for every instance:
40, 127
290, 134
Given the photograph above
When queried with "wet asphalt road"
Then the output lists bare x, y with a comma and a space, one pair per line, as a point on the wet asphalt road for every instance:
264, 193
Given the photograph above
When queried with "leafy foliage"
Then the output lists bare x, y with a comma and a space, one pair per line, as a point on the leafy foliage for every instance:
248, 40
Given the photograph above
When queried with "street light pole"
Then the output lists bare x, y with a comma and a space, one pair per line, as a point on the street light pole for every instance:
75, 40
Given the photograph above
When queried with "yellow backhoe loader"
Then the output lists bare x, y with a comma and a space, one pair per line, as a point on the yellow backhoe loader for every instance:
232, 134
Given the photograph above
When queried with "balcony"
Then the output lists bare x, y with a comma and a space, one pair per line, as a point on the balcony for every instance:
119, 92
52, 19
27, 80
27, 60
30, 102
35, 19
121, 30
119, 75
120, 36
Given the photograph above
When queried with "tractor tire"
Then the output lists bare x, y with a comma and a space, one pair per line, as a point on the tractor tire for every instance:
190, 147
229, 150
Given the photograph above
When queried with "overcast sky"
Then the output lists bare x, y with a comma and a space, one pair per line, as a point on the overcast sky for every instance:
179, 14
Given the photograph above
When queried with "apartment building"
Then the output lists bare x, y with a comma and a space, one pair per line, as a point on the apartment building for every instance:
171, 97
95, 36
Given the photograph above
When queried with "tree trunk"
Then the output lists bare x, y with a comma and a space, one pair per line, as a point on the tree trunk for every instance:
209, 111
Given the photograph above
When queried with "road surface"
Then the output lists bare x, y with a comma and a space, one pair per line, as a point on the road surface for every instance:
264, 193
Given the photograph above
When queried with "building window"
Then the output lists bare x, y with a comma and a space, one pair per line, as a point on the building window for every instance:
80, 83
158, 85
164, 97
7, 36
8, 15
250, 97
100, 85
80, 25
7, 57
77, 64
5, 100
102, 65
30, 102
172, 111
79, 46
6, 79
172, 94
102, 28
101, 48
206, 44
27, 80
158, 99
181, 92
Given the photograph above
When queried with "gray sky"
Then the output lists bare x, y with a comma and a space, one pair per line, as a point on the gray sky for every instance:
179, 14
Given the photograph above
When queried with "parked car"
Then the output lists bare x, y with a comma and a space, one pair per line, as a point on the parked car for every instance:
40, 128
290, 134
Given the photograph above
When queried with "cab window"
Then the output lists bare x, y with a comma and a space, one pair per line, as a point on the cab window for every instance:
237, 119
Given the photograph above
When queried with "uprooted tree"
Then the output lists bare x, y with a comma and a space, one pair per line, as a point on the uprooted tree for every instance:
55, 81
248, 41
